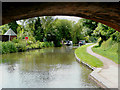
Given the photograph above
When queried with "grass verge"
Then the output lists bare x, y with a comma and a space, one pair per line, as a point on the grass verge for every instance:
86, 57
108, 49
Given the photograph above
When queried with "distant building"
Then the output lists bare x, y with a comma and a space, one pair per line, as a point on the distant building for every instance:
11, 34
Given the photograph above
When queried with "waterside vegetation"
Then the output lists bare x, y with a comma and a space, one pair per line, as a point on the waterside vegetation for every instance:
109, 49
21, 46
48, 31
85, 57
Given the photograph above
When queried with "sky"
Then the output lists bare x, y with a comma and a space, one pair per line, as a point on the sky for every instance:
68, 18
64, 17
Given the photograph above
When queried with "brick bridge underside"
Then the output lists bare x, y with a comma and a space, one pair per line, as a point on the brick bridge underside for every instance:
105, 12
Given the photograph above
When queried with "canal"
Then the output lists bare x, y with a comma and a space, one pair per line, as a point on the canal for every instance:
44, 68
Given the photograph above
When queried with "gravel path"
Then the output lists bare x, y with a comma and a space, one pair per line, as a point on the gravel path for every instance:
108, 75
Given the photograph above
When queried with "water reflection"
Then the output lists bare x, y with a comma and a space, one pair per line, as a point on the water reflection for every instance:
44, 68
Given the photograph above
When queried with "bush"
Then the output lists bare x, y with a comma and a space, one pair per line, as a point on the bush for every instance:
51, 44
12, 47
4, 48
47, 44
42, 44
32, 39
57, 43
8, 47
116, 36
21, 47
100, 41
87, 39
15, 40
29, 42
34, 46
38, 44
92, 39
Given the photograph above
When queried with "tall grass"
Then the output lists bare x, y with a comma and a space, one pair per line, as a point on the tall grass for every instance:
109, 49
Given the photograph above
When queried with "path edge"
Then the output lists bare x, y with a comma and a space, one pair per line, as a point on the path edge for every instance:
93, 75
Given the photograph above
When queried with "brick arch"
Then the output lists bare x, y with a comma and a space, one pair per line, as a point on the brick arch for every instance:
104, 12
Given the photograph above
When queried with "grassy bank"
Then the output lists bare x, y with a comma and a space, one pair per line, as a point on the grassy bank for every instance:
21, 46
86, 57
108, 49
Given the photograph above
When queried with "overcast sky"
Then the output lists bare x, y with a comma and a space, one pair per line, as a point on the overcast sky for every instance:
63, 17
68, 18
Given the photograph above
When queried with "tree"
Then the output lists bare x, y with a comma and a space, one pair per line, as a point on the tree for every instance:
116, 36
38, 32
13, 25
88, 26
47, 24
64, 28
104, 32
4, 29
76, 33
21, 30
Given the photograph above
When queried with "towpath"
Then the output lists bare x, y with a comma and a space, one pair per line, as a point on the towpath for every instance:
106, 75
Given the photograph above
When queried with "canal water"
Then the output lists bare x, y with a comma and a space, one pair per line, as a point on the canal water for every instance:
44, 68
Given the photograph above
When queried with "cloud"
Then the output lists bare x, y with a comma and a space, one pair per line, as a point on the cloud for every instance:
68, 18
72, 18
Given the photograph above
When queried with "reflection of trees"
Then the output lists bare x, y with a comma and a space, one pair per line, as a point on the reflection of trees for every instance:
42, 59
45, 59
10, 58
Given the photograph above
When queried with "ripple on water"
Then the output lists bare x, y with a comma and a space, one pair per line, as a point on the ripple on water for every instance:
45, 68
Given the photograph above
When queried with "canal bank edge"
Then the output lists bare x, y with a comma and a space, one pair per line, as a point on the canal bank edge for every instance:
94, 76
92, 68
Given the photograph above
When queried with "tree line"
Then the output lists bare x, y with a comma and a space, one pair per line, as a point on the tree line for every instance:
49, 29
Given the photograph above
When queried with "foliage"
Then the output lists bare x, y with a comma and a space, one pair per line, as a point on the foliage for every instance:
8, 47
76, 33
13, 25
15, 40
47, 23
34, 46
100, 41
109, 49
88, 26
28, 42
51, 44
22, 45
38, 32
116, 36
63, 28
47, 29
92, 39
32, 39
103, 31
62, 31
87, 58
41, 45
4, 28
57, 43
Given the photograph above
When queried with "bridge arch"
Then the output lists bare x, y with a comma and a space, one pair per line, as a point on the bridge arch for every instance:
104, 12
